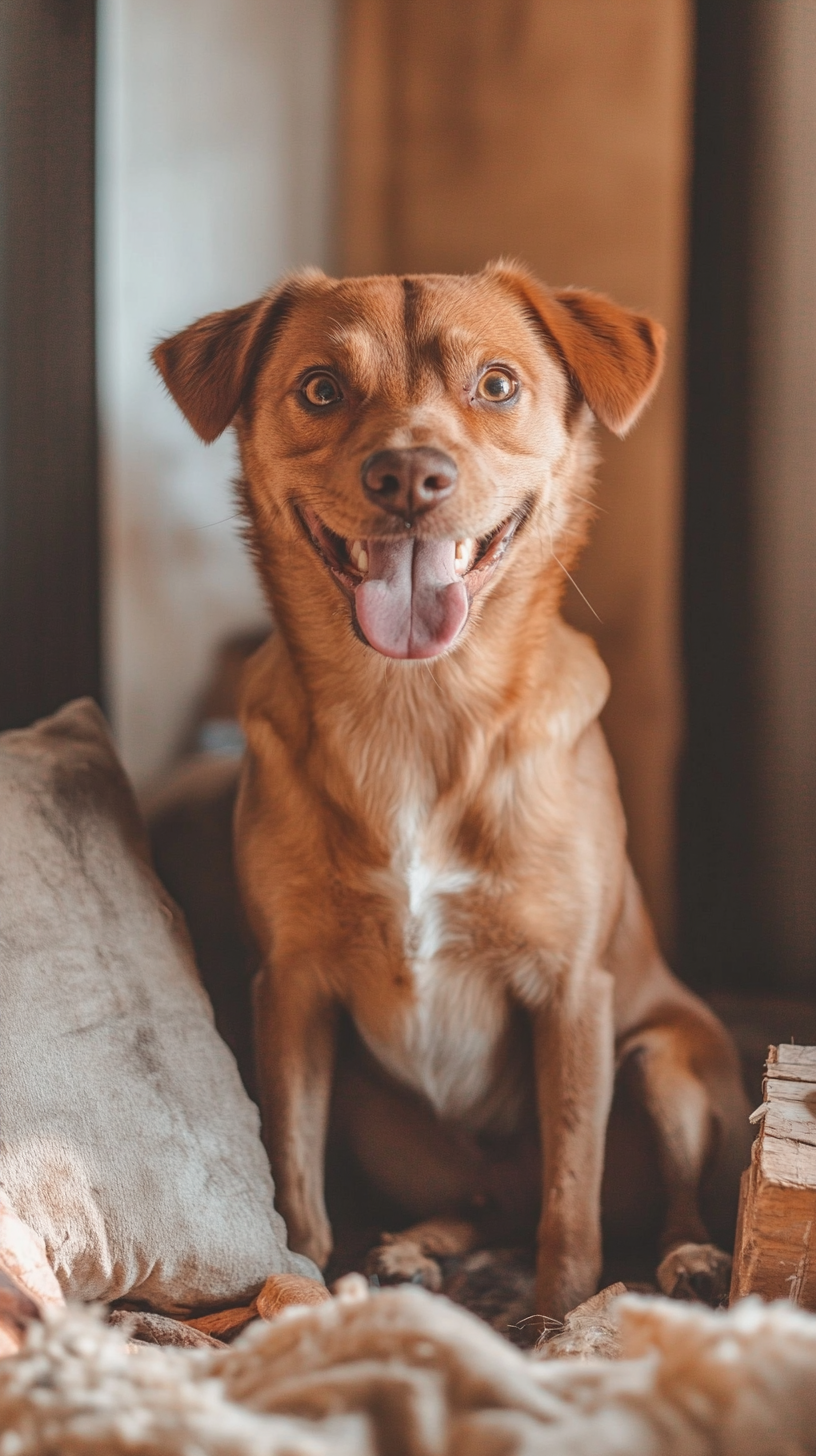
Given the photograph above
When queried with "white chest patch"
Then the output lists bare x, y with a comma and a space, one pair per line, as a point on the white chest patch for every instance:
428, 892
444, 1040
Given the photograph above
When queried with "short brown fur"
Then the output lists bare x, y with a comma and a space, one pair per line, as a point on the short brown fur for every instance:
437, 849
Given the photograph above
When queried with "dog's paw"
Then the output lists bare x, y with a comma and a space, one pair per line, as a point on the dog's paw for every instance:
696, 1271
400, 1261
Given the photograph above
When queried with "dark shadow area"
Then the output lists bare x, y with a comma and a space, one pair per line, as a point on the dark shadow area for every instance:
717, 819
49, 551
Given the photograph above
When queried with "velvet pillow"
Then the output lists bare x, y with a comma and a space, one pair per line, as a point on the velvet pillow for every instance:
127, 1141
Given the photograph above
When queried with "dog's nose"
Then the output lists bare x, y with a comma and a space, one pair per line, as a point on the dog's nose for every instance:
409, 482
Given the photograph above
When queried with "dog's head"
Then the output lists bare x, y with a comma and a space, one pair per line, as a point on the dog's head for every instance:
404, 435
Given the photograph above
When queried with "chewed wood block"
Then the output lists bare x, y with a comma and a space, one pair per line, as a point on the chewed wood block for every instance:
775, 1252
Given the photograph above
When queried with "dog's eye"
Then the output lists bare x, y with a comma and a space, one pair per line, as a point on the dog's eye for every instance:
496, 385
321, 389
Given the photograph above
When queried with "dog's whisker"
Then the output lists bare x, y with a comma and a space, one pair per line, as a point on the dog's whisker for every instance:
588, 501
581, 594
433, 679
208, 525
570, 577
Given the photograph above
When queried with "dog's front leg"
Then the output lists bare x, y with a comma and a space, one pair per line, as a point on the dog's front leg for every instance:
574, 1057
295, 1029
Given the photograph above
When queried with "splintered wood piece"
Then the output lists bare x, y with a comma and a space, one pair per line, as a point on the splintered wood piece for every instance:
775, 1252
589, 1331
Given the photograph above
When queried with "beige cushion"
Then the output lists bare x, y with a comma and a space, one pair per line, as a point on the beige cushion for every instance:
126, 1139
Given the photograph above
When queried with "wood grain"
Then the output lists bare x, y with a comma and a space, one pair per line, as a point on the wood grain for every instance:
775, 1253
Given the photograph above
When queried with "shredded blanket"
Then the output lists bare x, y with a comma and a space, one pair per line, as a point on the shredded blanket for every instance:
406, 1373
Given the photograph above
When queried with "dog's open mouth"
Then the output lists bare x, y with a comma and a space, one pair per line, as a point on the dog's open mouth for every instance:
410, 594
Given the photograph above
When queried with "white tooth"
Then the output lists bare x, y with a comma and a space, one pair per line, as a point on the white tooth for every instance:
463, 553
362, 560
354, 552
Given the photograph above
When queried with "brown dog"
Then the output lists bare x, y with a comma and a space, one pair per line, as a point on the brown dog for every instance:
429, 834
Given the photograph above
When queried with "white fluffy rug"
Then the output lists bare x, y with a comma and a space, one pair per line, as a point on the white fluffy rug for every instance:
406, 1373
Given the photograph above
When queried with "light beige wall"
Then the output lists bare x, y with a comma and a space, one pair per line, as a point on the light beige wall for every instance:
557, 131
215, 154
783, 447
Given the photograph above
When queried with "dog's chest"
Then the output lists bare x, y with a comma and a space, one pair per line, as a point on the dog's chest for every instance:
446, 1028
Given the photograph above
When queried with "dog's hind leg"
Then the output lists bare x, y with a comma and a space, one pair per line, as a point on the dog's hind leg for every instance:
683, 1072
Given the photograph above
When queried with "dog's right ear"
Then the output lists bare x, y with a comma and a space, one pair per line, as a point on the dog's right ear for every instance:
209, 367
612, 356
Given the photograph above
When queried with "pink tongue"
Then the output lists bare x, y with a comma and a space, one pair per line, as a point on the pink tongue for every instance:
412, 603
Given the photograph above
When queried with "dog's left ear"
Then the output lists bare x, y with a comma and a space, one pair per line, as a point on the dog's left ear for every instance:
614, 357
209, 367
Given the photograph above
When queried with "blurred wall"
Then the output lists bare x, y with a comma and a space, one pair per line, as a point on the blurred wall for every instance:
215, 131
557, 132
783, 469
